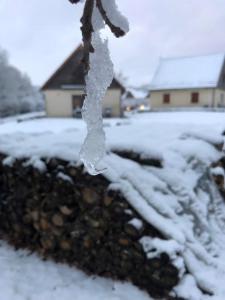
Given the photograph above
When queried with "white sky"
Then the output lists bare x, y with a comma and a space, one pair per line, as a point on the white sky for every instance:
39, 34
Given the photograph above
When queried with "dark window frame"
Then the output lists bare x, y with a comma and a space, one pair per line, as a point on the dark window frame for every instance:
166, 98
77, 101
195, 97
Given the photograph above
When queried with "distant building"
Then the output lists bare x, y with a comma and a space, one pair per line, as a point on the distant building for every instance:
136, 99
64, 90
189, 82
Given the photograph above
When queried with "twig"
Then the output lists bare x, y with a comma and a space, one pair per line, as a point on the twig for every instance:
118, 32
87, 28
74, 1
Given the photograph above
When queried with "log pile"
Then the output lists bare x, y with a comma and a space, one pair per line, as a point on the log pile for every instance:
139, 158
219, 175
69, 216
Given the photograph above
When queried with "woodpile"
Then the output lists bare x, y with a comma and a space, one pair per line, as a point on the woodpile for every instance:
139, 158
71, 217
218, 174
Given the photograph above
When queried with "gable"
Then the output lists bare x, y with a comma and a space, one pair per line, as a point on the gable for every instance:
71, 74
188, 72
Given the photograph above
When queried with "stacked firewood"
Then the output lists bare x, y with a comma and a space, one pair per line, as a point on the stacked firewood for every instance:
65, 214
218, 174
139, 158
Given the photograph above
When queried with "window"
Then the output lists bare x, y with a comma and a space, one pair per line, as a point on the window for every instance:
77, 101
166, 98
194, 97
107, 112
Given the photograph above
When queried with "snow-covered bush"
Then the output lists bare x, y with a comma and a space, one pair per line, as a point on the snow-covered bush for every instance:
17, 95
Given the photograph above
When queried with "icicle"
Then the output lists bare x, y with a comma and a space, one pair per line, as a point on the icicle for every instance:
98, 80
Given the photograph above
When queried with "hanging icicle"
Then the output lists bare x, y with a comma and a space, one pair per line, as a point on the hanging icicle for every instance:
99, 74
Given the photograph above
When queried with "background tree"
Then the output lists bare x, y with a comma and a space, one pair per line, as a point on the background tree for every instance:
17, 94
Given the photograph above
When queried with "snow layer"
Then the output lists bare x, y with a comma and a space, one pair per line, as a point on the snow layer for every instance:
188, 72
179, 199
25, 276
136, 223
114, 15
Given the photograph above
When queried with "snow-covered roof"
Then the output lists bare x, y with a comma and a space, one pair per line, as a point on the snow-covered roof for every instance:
138, 92
188, 72
71, 74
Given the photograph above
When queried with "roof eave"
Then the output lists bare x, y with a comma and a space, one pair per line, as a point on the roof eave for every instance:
183, 88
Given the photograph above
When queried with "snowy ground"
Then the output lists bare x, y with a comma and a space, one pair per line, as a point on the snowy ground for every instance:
26, 277
23, 117
176, 199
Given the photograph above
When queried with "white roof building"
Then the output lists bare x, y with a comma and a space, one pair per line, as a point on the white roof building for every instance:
196, 75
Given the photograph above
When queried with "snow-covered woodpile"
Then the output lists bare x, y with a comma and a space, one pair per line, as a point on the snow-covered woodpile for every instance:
159, 184
56, 209
72, 217
218, 174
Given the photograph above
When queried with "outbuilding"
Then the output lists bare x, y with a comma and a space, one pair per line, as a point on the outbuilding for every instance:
197, 81
64, 90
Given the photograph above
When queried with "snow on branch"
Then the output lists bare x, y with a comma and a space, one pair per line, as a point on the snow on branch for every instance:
99, 74
112, 17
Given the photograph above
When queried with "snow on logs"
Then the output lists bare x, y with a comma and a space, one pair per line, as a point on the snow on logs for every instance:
71, 217
53, 207
218, 174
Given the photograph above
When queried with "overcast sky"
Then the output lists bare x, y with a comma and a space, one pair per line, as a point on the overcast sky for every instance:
39, 35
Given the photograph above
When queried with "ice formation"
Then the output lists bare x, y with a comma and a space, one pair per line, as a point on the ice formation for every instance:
98, 80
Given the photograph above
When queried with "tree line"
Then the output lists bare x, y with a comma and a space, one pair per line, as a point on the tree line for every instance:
17, 94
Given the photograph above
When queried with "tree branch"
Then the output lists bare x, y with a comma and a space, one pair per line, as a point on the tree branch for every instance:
87, 30
74, 1
118, 32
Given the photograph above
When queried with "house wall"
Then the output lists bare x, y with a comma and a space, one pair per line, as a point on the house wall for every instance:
220, 98
113, 100
182, 98
59, 102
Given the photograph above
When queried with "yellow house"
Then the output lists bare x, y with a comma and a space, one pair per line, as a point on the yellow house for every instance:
64, 90
197, 81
